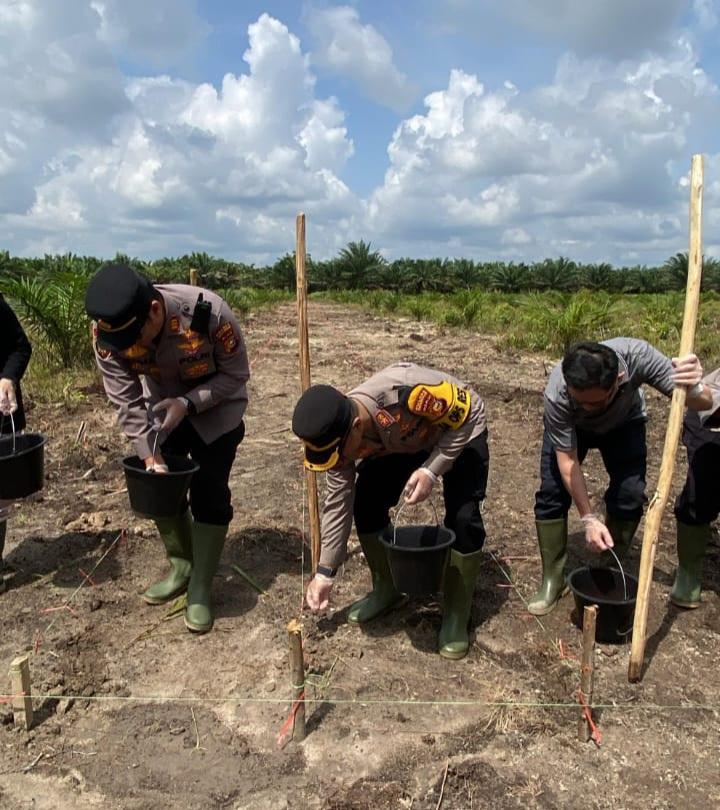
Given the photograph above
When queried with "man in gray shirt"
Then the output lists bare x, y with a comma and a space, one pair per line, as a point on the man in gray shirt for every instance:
594, 399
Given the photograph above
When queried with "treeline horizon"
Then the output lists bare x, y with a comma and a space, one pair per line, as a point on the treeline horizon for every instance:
359, 267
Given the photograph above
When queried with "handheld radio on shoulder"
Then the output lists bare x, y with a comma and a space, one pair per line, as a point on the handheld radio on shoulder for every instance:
200, 322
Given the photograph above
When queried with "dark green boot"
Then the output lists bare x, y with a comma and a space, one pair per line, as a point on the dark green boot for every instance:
552, 539
208, 542
691, 544
458, 588
622, 532
3, 532
176, 534
384, 595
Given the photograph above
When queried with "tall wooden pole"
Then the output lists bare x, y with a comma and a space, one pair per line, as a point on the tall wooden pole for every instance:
193, 277
677, 407
587, 667
301, 287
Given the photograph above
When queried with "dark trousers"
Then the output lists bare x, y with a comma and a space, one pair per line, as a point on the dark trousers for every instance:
624, 454
699, 501
380, 482
209, 490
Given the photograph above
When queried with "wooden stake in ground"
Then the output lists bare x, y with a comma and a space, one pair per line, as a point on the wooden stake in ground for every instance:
587, 668
657, 504
297, 676
193, 277
303, 340
21, 702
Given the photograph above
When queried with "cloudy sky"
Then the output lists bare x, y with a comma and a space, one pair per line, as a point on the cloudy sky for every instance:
514, 130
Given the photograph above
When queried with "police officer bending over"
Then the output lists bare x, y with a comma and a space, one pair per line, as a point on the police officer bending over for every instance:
396, 433
175, 354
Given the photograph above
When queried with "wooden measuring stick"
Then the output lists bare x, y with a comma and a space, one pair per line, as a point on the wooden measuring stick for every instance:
587, 667
193, 277
659, 500
21, 702
297, 676
301, 287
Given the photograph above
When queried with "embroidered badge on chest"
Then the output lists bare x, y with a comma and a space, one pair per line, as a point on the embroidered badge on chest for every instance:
384, 419
191, 342
174, 325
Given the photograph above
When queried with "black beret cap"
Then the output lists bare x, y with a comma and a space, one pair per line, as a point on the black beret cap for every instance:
118, 299
322, 419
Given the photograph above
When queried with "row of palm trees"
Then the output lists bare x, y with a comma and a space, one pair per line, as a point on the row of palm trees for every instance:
359, 267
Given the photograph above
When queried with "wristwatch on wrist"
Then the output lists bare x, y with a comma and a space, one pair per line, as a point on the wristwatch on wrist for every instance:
326, 571
189, 405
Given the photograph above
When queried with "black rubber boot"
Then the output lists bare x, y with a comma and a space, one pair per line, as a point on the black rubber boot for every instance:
384, 595
552, 539
458, 588
208, 541
176, 534
691, 544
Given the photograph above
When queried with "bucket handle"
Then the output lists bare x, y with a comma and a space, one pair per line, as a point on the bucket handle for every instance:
402, 506
622, 572
12, 424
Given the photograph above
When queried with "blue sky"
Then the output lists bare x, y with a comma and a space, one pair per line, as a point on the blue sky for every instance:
515, 130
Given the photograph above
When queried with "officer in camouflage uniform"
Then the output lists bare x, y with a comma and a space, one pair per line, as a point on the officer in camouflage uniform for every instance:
15, 351
594, 399
398, 432
698, 505
173, 354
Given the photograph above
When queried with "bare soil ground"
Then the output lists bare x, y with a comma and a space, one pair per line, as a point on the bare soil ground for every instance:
135, 713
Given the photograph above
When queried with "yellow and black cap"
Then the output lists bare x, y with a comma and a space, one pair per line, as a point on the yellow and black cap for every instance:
322, 419
118, 299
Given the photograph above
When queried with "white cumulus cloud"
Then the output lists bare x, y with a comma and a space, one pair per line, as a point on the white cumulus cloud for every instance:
360, 52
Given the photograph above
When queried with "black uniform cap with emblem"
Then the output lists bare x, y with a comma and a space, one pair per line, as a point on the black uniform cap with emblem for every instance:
322, 419
118, 299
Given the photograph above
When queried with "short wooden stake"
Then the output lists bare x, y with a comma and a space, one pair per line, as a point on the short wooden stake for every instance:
21, 702
297, 677
193, 277
587, 668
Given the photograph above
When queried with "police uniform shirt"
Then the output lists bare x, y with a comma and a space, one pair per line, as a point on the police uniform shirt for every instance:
413, 409
640, 361
210, 369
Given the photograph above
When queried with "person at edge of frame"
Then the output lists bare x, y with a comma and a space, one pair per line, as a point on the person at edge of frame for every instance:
397, 434
698, 505
177, 351
15, 351
594, 399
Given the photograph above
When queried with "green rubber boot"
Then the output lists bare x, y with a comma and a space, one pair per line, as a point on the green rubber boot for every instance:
622, 532
384, 595
458, 588
176, 534
208, 541
691, 544
3, 532
552, 539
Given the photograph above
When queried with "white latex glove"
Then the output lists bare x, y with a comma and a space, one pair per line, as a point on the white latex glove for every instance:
175, 411
597, 536
318, 592
8, 401
156, 464
419, 485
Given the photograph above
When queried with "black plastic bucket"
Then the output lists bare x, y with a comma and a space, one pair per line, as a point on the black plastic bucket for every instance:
158, 495
417, 556
21, 472
604, 587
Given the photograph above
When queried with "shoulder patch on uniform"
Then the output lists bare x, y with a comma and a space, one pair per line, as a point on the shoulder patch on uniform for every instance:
445, 403
174, 324
225, 334
103, 354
